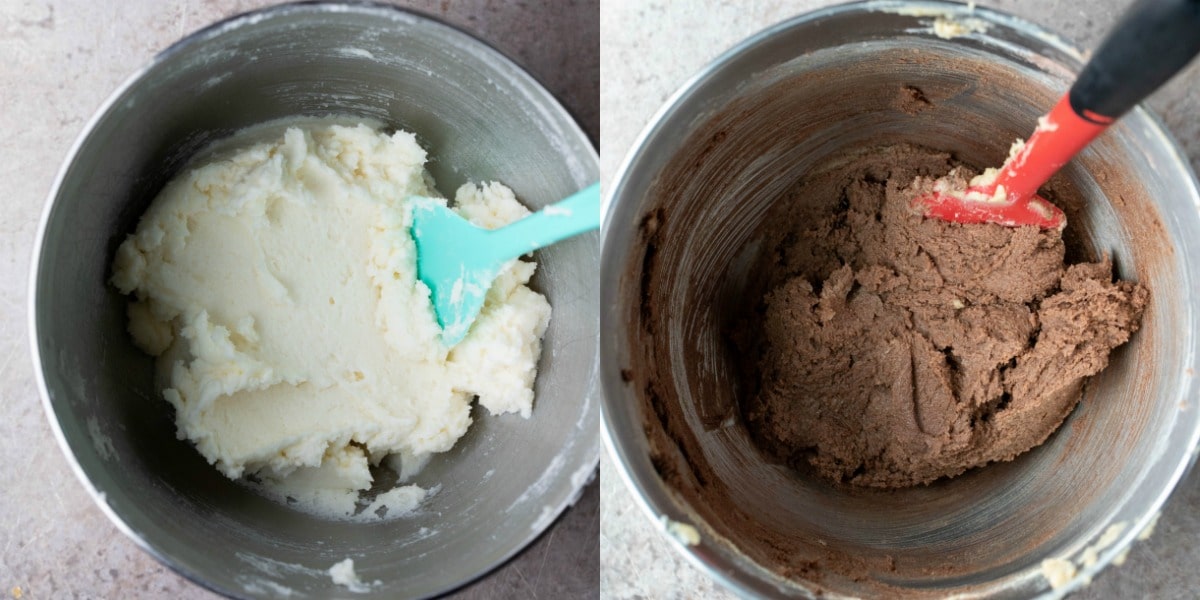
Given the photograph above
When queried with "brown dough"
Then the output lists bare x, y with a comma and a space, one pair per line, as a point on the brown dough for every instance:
896, 350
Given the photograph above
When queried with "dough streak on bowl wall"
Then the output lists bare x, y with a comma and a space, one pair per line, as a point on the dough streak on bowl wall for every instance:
275, 283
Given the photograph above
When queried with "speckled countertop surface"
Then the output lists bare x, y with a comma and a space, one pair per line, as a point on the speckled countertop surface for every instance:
61, 59
648, 50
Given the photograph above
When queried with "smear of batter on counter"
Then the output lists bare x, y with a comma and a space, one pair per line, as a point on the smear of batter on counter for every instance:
896, 350
276, 284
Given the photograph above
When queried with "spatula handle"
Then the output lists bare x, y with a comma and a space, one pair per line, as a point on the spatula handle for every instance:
576, 214
1153, 41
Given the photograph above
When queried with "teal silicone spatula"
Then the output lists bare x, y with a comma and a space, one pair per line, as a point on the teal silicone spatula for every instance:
459, 261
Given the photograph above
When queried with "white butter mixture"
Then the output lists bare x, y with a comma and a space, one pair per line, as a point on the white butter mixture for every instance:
343, 574
277, 287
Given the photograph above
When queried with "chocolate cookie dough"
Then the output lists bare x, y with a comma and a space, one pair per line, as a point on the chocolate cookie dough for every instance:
896, 350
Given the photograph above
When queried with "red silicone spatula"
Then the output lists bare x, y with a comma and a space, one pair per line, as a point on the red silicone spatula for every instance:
1153, 41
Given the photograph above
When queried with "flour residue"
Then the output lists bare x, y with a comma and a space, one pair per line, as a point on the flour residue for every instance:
100, 441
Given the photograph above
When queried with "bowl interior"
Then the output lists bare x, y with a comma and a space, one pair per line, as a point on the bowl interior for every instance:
480, 117
698, 190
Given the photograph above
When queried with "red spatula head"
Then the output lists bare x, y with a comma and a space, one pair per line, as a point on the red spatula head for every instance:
1010, 197
1150, 44
977, 206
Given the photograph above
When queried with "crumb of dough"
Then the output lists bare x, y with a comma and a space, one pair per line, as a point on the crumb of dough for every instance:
1059, 572
343, 574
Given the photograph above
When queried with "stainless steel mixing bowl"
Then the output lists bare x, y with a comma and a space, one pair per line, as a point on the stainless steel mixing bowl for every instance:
680, 231
480, 116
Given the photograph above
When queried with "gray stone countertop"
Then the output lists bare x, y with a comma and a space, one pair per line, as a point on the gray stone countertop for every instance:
647, 51
61, 59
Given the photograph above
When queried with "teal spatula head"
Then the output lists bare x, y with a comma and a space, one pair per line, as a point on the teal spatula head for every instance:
458, 261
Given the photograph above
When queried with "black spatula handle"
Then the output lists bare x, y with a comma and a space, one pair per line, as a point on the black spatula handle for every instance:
1153, 41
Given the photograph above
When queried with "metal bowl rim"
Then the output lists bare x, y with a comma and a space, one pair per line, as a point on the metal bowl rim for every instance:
658, 505
201, 36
